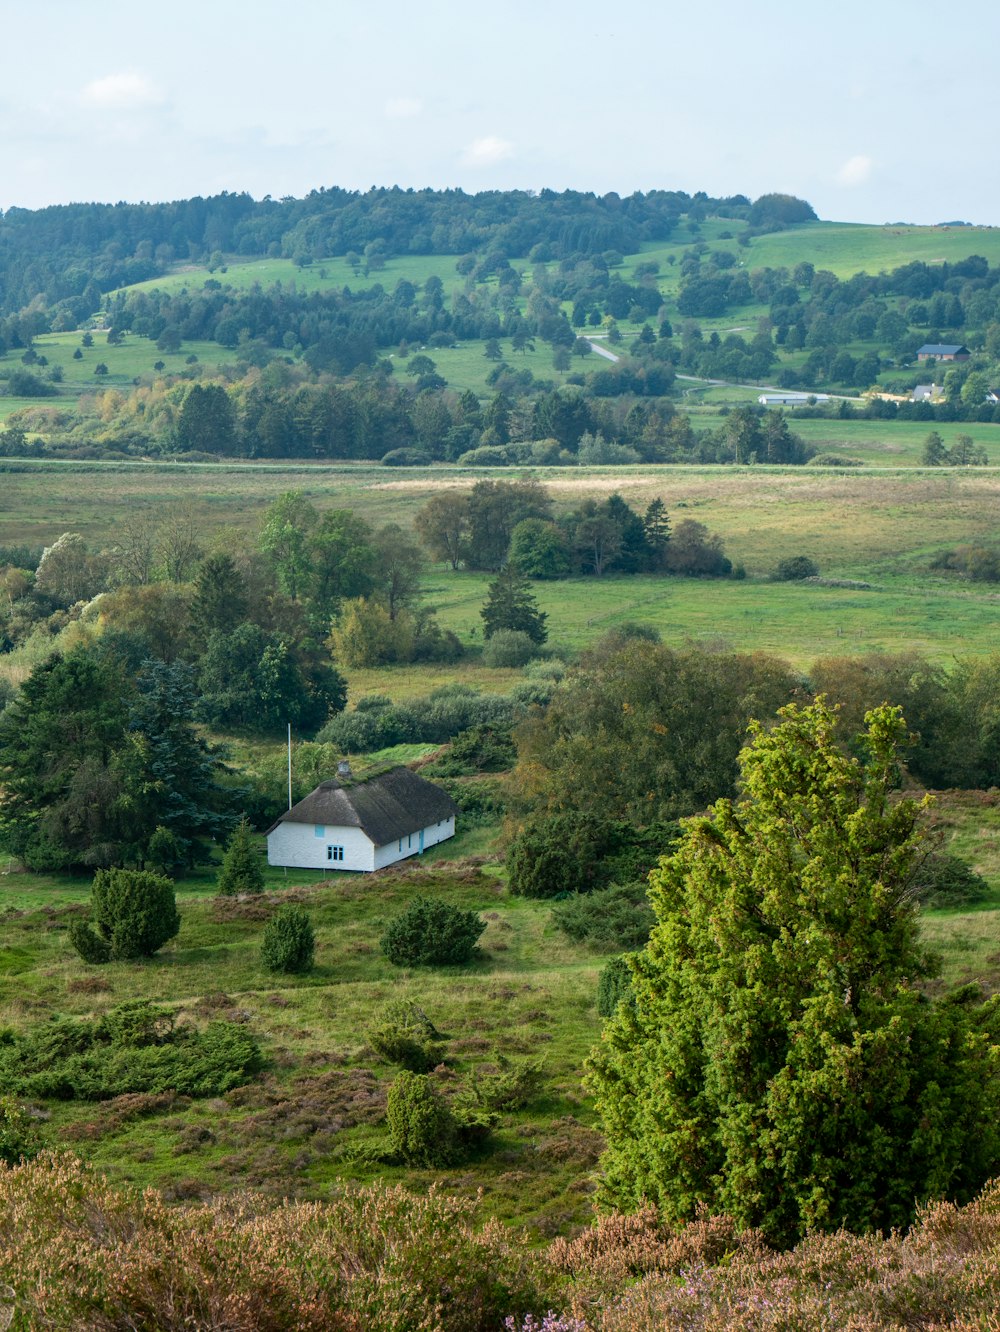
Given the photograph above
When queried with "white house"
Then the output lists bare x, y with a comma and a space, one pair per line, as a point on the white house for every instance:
791, 399
353, 823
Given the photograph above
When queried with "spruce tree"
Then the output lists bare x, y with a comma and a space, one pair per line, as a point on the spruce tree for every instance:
780, 1063
242, 871
510, 604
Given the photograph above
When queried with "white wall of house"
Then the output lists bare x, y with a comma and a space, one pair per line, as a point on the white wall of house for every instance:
312, 846
411, 844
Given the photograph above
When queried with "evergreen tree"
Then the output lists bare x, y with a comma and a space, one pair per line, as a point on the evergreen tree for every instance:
242, 871
779, 1062
220, 599
510, 604
656, 526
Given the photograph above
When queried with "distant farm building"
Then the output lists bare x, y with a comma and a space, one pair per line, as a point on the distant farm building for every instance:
943, 351
791, 399
925, 392
362, 824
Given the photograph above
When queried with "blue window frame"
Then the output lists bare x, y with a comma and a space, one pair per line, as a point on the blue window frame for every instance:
335, 853
319, 830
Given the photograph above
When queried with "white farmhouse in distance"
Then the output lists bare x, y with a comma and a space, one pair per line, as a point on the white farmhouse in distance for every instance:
357, 823
791, 399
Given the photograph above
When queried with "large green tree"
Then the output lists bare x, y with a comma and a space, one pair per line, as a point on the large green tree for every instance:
780, 1062
510, 604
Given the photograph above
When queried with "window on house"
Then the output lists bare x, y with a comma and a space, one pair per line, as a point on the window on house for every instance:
319, 830
335, 853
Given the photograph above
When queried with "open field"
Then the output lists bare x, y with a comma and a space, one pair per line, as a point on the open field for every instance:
877, 526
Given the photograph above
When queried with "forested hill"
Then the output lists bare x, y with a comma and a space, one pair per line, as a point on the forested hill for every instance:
65, 257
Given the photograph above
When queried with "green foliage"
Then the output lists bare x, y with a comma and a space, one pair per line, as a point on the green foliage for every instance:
510, 604
242, 871
92, 947
794, 568
422, 1129
478, 749
376, 722
509, 648
19, 1137
643, 733
288, 943
618, 915
432, 933
135, 910
552, 855
135, 914
613, 985
134, 1048
777, 1022
404, 1034
506, 1086
947, 881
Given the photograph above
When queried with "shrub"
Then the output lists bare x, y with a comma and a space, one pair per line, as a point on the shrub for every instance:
479, 749
510, 1085
134, 1048
943, 881
406, 457
432, 933
508, 647
92, 947
794, 568
288, 942
422, 1130
613, 985
242, 871
19, 1140
619, 914
404, 1034
135, 913
558, 853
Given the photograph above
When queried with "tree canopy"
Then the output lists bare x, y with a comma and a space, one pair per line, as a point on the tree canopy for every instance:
780, 1062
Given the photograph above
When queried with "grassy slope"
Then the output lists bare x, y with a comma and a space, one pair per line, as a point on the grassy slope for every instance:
292, 1132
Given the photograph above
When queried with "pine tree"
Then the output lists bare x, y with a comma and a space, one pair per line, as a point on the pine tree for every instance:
510, 604
242, 871
779, 1063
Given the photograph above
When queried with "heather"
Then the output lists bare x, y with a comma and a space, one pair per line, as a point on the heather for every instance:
79, 1253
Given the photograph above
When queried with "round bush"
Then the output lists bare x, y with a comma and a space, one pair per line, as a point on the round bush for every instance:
288, 943
422, 1130
135, 912
432, 933
796, 567
508, 647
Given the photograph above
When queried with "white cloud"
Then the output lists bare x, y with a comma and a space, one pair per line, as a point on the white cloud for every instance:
487, 151
856, 171
117, 92
403, 108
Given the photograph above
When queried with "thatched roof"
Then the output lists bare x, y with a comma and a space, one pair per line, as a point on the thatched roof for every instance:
385, 807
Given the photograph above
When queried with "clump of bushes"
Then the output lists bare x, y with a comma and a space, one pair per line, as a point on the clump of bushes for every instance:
288, 943
134, 913
432, 933
372, 1257
422, 1129
795, 568
133, 1048
242, 872
479, 749
19, 1138
618, 915
508, 647
944, 880
377, 723
510, 1084
575, 852
403, 1034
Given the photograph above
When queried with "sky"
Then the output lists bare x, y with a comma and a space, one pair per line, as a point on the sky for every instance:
881, 111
